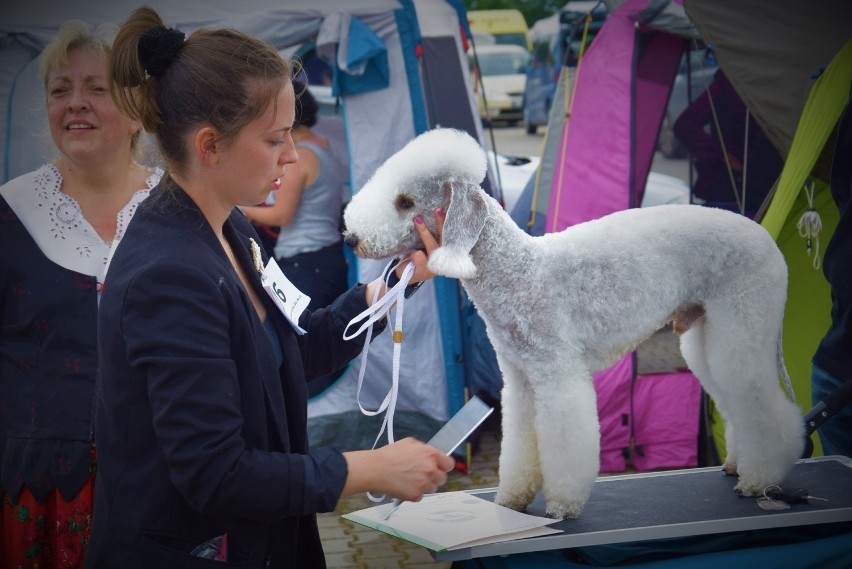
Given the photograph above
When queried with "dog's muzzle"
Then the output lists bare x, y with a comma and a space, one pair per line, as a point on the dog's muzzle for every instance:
351, 240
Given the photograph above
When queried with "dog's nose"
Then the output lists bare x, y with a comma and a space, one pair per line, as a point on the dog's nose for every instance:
351, 240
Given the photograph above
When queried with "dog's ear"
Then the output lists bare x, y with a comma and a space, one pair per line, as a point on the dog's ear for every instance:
466, 216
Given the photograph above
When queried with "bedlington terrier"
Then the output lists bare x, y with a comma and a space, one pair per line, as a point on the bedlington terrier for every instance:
562, 306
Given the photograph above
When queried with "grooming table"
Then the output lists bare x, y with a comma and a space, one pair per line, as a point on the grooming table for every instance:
699, 501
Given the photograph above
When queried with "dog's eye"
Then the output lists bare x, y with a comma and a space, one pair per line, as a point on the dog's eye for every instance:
404, 202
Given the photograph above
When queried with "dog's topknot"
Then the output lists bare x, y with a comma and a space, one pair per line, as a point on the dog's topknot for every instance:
442, 154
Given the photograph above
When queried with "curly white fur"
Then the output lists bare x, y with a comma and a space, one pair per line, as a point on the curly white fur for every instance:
562, 306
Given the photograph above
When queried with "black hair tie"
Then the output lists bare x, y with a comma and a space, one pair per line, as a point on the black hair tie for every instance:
158, 48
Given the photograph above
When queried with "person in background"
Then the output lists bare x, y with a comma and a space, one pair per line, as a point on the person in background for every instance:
201, 411
832, 363
57, 225
697, 129
307, 208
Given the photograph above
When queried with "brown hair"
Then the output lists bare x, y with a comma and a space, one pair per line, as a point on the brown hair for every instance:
219, 77
75, 34
307, 107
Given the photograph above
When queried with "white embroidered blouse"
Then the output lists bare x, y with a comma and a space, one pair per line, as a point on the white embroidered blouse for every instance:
56, 223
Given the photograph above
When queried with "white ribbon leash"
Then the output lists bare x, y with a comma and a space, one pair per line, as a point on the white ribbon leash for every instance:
395, 297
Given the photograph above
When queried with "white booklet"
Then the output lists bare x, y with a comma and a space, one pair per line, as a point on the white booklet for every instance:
452, 520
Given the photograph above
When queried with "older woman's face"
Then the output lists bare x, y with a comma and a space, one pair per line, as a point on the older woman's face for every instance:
84, 123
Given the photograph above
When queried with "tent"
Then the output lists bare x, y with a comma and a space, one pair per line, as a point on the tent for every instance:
792, 65
399, 69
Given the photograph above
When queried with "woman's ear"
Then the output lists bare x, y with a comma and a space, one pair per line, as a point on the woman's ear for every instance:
135, 128
207, 145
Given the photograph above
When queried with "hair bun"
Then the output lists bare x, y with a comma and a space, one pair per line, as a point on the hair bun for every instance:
158, 48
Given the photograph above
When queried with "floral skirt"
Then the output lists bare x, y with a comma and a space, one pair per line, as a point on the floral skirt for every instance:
41, 536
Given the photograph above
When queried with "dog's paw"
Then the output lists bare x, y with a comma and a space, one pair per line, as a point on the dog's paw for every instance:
452, 263
730, 469
751, 486
512, 502
746, 491
562, 510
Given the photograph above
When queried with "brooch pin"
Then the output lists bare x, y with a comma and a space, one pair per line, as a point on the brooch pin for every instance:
255, 256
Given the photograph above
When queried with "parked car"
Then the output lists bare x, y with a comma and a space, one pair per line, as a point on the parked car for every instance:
514, 172
499, 78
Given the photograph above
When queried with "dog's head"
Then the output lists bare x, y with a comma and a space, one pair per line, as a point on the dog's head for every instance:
440, 168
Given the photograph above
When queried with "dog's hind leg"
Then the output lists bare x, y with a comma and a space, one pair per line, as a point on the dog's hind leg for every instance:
519, 471
692, 347
764, 430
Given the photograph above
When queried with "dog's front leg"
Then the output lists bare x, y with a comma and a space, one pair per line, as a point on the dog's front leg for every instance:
568, 432
519, 471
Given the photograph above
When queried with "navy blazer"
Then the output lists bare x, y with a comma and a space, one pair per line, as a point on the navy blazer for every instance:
198, 431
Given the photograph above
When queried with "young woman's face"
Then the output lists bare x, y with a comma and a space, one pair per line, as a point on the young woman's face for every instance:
84, 123
256, 160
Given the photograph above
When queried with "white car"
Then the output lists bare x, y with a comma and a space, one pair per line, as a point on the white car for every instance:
499, 79
515, 172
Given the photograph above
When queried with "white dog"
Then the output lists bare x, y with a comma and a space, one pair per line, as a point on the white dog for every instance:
562, 306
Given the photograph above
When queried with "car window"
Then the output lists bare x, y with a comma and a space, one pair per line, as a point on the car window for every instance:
512, 39
502, 63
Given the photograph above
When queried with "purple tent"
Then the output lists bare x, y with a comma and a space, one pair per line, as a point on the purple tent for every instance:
622, 88
607, 142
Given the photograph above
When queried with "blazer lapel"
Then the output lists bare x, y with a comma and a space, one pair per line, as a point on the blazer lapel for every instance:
241, 246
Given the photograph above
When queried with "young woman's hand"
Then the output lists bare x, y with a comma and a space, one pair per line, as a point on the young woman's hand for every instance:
420, 258
405, 470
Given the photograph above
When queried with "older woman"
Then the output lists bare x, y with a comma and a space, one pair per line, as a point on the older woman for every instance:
57, 225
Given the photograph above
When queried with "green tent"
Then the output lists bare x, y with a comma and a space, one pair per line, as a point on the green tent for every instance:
774, 58
808, 304
808, 298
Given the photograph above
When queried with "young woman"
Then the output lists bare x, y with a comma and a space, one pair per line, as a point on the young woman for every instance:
57, 225
201, 414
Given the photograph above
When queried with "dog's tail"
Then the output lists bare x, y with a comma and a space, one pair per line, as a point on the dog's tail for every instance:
782, 369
